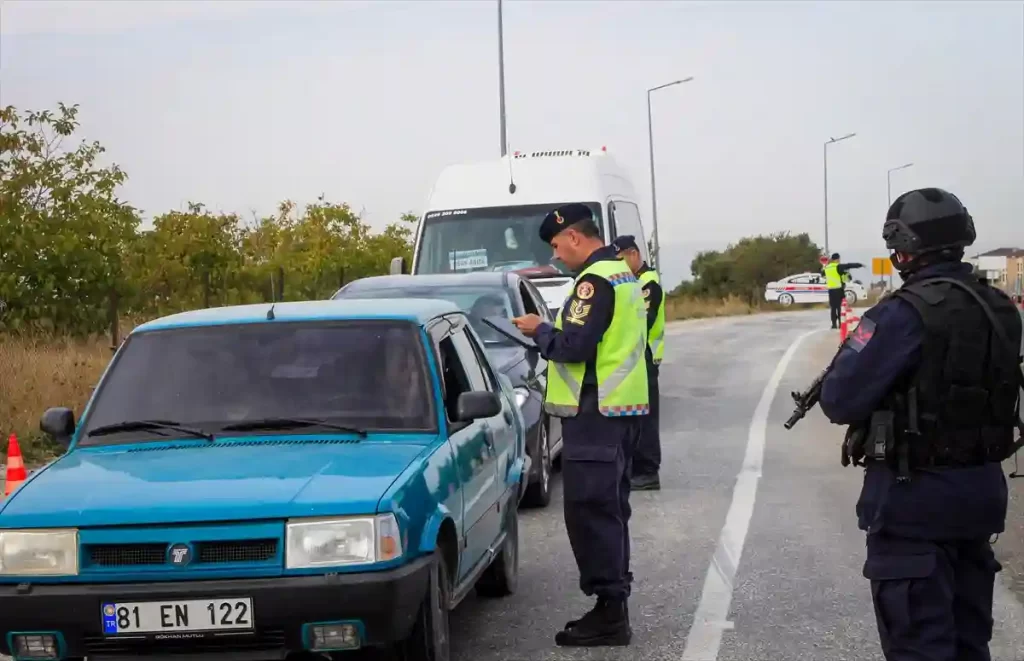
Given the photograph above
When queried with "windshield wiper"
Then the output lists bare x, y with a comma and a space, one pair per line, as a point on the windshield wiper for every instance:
139, 425
290, 423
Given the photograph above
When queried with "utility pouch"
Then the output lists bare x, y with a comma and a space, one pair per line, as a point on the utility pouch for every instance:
881, 436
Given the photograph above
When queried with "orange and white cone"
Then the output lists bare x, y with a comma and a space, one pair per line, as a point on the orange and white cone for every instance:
15, 466
843, 320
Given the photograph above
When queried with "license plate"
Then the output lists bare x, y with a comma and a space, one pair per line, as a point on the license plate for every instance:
192, 615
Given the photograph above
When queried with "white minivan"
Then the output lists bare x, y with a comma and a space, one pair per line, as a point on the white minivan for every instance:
484, 216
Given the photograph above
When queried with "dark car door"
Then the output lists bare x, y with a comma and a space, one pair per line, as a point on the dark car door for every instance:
533, 302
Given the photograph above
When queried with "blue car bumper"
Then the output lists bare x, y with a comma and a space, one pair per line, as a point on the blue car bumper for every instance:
384, 605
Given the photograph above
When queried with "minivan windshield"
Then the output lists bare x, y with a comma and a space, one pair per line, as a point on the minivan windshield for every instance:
364, 375
489, 239
476, 301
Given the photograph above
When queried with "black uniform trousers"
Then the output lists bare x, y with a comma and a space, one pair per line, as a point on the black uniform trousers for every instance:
597, 453
647, 460
933, 599
835, 304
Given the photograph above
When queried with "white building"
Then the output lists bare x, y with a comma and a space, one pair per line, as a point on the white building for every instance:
996, 266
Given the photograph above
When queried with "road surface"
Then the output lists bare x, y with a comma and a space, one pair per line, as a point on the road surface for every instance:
767, 563
750, 552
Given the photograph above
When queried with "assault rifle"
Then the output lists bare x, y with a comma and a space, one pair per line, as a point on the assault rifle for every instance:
808, 399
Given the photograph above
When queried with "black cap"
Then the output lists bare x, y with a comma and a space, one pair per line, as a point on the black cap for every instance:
625, 242
562, 218
835, 255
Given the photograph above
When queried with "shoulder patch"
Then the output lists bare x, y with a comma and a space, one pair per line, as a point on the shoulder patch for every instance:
861, 335
584, 291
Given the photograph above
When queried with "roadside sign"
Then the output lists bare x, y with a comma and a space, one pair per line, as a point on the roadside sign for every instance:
823, 259
881, 266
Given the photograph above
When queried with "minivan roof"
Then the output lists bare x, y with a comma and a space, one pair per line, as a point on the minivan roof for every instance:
541, 177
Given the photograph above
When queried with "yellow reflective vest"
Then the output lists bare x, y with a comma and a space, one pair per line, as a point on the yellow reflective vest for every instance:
620, 365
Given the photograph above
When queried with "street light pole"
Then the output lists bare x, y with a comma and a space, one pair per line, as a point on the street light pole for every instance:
654, 198
825, 151
888, 179
501, 82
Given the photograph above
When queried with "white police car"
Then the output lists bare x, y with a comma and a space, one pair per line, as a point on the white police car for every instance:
808, 288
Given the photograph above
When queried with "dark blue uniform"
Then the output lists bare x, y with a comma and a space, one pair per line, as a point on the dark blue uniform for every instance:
929, 559
597, 451
647, 460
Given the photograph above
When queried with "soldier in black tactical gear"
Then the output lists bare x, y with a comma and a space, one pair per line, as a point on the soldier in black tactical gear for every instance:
929, 384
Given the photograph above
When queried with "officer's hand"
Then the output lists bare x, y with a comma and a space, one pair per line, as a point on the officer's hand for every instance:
527, 324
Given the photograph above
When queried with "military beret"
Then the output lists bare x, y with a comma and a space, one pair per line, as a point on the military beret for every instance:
562, 218
625, 242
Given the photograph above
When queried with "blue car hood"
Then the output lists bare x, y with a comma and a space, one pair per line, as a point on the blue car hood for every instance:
229, 480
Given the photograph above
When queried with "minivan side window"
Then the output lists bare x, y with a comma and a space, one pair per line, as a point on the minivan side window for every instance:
627, 221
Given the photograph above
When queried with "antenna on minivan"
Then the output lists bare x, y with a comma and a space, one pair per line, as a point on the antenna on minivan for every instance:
511, 179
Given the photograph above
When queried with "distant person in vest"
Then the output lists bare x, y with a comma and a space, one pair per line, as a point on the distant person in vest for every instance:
647, 457
928, 384
597, 384
836, 277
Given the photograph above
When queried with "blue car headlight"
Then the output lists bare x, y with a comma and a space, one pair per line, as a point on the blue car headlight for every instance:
343, 541
43, 552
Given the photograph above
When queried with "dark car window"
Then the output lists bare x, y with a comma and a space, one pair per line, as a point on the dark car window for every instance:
475, 300
470, 361
453, 373
366, 374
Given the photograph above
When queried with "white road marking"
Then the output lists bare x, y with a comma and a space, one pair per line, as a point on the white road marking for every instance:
711, 618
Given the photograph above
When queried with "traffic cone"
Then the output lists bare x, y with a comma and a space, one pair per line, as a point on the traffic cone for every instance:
843, 328
15, 466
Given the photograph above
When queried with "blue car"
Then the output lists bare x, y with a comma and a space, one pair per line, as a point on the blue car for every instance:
268, 479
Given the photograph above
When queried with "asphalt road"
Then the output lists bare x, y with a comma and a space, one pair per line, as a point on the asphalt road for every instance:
740, 556
750, 552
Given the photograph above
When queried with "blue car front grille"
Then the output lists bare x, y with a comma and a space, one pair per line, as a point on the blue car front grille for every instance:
208, 552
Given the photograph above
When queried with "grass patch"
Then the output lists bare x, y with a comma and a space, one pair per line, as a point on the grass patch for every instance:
37, 373
687, 307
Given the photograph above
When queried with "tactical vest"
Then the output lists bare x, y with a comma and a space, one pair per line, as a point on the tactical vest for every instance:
961, 405
656, 336
832, 277
621, 368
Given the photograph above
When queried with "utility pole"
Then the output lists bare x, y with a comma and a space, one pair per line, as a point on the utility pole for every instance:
825, 150
501, 82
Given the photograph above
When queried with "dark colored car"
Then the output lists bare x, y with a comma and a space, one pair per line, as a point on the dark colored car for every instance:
480, 295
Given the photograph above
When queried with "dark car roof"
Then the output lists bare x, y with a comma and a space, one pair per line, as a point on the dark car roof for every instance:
480, 278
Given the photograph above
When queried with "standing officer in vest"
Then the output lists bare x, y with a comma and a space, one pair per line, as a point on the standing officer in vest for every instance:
647, 457
597, 384
929, 386
836, 277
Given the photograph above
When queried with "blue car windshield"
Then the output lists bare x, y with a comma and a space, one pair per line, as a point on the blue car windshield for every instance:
475, 301
369, 375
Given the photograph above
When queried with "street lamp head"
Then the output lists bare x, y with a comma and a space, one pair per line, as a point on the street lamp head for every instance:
685, 80
674, 82
848, 135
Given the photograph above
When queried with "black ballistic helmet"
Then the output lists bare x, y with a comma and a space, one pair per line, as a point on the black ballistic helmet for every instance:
927, 220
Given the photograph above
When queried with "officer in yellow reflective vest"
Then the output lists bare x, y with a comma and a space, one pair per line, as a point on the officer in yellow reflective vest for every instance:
647, 456
597, 384
836, 292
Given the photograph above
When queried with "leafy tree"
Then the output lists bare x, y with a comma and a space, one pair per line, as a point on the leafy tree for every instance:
63, 231
744, 267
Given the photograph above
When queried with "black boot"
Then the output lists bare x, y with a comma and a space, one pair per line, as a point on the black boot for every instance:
606, 625
645, 483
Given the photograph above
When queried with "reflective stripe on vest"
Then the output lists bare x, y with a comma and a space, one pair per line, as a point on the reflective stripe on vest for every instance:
832, 277
656, 336
620, 365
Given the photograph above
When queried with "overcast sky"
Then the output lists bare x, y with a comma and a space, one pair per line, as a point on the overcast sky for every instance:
242, 104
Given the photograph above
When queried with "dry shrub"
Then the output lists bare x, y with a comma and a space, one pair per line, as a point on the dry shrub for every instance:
687, 307
37, 373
